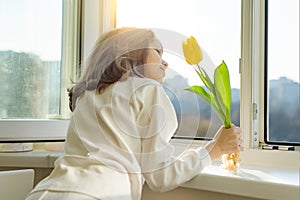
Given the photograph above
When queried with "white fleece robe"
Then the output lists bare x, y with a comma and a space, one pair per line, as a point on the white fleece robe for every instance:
119, 139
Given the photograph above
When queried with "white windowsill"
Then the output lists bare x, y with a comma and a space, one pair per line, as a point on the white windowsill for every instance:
33, 159
260, 175
254, 182
263, 174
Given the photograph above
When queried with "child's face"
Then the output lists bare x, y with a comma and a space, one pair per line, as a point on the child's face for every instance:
155, 66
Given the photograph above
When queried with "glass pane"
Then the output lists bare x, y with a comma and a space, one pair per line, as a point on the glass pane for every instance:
30, 58
283, 71
216, 25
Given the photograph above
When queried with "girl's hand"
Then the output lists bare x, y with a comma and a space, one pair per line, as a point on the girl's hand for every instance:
226, 141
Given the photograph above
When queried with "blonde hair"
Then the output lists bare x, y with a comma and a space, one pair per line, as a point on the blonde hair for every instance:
115, 56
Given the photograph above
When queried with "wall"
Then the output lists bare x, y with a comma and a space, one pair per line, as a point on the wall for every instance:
179, 193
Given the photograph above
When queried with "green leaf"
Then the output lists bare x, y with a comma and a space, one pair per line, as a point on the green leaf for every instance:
205, 78
201, 92
208, 98
223, 91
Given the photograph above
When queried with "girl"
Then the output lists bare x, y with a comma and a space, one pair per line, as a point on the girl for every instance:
122, 122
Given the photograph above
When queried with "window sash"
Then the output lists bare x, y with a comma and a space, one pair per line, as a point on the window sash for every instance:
54, 130
266, 95
254, 92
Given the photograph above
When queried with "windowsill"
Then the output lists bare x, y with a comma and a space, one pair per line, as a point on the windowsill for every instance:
261, 174
34, 159
254, 182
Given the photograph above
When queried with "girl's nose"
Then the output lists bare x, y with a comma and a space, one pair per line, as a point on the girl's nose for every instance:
165, 64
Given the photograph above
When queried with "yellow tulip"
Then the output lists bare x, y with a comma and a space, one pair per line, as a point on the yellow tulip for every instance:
192, 51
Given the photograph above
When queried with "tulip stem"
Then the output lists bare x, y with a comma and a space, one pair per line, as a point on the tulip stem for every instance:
210, 86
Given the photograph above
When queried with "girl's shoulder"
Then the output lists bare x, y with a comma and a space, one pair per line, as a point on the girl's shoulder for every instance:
134, 84
141, 81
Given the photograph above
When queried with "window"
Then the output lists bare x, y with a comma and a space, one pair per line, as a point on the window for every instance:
282, 110
30, 59
218, 34
38, 57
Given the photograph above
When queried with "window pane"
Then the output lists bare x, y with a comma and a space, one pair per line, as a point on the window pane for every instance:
30, 58
216, 25
283, 71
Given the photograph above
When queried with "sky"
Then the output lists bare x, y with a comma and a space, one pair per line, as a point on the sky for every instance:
31, 26
283, 45
218, 35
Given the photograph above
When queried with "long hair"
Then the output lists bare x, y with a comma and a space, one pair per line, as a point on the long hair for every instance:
115, 56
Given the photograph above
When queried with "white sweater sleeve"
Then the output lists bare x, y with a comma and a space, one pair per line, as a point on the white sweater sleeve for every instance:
178, 170
157, 123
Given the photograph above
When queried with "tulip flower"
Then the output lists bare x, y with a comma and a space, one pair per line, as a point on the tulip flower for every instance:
192, 51
216, 94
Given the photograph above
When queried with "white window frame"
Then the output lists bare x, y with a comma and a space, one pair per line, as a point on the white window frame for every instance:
251, 69
52, 129
264, 118
253, 63
252, 91
99, 16
258, 73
